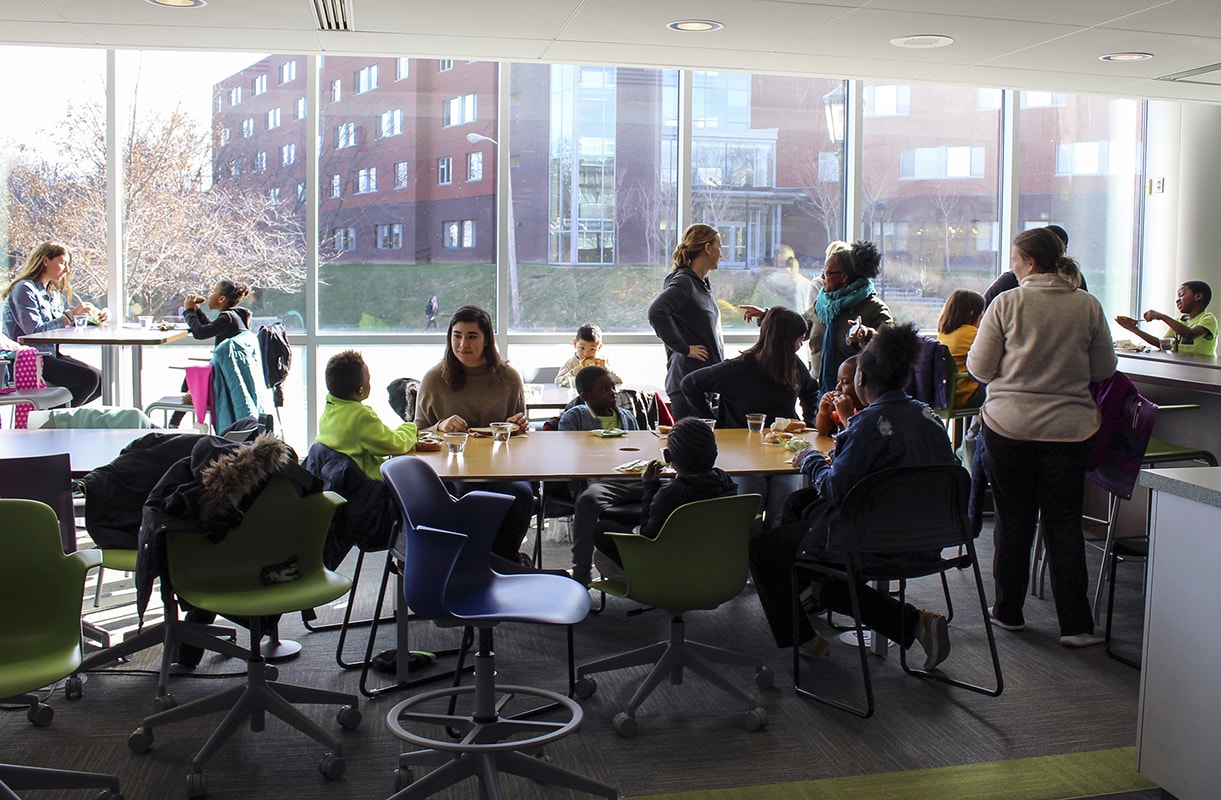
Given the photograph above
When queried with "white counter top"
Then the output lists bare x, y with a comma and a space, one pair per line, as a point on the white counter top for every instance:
1201, 484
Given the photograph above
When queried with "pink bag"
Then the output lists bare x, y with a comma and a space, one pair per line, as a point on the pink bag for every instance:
28, 369
199, 384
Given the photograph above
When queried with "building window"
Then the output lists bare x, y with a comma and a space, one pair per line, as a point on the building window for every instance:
828, 167
259, 85
400, 175
299, 108
273, 194
218, 104
883, 100
1044, 99
336, 90
288, 154
459, 233
931, 163
288, 71
458, 110
390, 123
235, 96
260, 162
336, 186
300, 191
273, 118
224, 136
474, 166
402, 69
235, 168
345, 135
366, 180
445, 171
1096, 158
987, 99
389, 237
366, 79
247, 127
345, 238
445, 64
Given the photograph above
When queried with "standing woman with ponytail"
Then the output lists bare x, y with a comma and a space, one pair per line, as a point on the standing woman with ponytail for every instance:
1038, 348
685, 315
40, 299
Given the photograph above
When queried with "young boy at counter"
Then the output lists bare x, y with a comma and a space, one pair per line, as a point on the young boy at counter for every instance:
1195, 331
596, 386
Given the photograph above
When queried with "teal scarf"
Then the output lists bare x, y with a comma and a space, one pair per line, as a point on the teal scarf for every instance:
828, 306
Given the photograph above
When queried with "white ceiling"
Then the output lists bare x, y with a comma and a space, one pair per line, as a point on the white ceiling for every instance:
1050, 45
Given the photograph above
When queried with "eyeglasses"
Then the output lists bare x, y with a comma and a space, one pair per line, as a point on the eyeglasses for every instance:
827, 272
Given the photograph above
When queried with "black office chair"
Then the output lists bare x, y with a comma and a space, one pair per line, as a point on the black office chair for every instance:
899, 510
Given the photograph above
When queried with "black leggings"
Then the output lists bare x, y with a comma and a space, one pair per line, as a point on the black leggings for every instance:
83, 380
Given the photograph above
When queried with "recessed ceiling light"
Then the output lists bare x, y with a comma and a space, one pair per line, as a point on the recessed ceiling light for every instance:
923, 41
1126, 57
694, 25
179, 3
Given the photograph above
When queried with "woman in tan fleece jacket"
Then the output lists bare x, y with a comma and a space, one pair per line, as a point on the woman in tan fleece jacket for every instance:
1038, 349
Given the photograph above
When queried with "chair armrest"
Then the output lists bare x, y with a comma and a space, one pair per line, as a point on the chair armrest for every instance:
87, 558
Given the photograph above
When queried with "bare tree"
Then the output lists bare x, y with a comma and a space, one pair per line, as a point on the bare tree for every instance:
179, 234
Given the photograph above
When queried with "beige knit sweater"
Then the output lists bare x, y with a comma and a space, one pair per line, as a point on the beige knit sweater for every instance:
1039, 347
480, 402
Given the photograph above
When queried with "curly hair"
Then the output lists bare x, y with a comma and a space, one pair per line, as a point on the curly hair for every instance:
345, 374
887, 359
862, 260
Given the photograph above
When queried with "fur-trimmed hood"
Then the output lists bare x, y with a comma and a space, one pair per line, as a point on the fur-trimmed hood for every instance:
232, 477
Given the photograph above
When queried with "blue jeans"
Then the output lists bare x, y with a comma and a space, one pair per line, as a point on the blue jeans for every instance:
1033, 482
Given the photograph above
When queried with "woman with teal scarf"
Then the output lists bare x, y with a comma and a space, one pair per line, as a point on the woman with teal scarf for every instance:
847, 311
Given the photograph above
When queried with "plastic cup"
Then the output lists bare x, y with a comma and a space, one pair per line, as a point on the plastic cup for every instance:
1165, 344
146, 322
501, 431
80, 320
455, 443
754, 422
711, 423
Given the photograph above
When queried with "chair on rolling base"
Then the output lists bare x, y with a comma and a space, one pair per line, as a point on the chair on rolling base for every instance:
699, 560
270, 564
40, 642
904, 509
447, 578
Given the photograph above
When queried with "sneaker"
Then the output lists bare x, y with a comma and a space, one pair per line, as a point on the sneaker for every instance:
818, 647
933, 633
608, 569
1007, 626
525, 561
1081, 640
581, 573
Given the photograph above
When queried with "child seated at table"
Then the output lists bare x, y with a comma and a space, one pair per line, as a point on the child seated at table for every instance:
956, 329
836, 407
691, 450
1195, 331
587, 344
599, 411
353, 428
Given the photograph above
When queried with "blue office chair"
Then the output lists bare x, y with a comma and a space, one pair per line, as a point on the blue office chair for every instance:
40, 633
447, 577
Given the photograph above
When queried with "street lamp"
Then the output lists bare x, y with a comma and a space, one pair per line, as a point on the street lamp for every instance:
834, 105
510, 235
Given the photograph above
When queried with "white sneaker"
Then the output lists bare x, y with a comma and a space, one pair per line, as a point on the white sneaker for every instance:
608, 568
1082, 640
933, 634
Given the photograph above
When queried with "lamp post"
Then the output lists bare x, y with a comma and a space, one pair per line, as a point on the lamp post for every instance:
510, 235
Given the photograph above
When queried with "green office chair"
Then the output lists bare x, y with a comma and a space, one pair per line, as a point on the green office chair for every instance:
270, 564
698, 561
40, 631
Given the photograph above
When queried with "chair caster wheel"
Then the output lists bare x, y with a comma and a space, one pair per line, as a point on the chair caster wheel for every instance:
332, 766
271, 672
40, 715
755, 719
765, 678
403, 778
74, 688
165, 702
110, 794
624, 724
585, 687
197, 785
349, 718
141, 741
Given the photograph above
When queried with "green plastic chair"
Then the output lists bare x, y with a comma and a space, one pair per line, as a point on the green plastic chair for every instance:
40, 631
699, 560
271, 564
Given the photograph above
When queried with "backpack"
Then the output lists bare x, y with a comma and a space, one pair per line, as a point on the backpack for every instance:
277, 355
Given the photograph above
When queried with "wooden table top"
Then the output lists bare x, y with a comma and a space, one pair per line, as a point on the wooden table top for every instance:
111, 333
548, 455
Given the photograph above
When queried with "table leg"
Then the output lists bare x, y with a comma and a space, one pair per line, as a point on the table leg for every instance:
137, 371
110, 374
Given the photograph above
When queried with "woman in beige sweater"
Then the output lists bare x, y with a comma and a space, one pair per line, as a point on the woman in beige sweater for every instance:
473, 387
1038, 349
